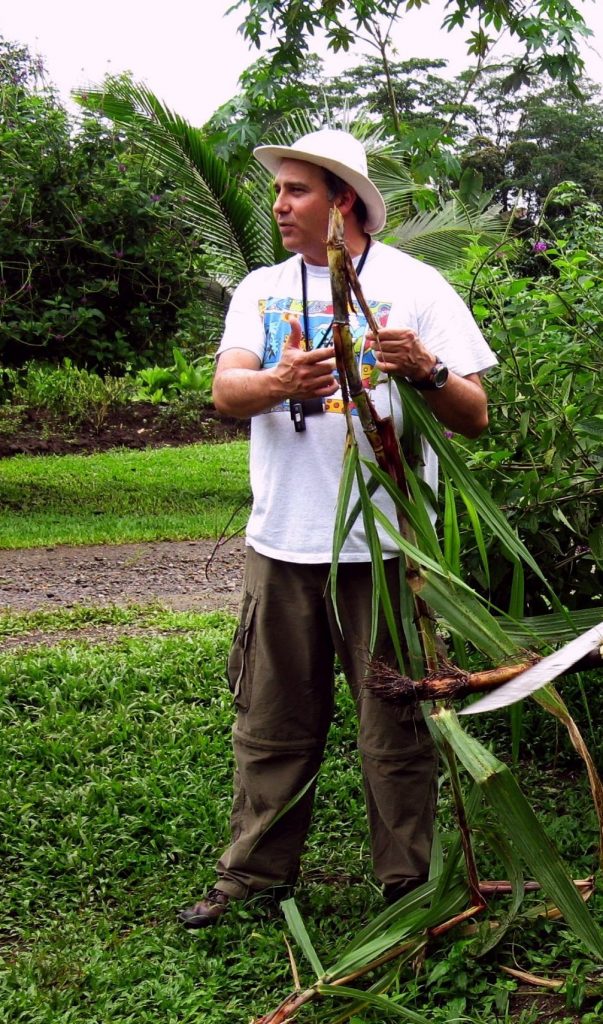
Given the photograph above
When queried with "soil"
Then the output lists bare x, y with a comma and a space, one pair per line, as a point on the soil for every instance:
180, 575
139, 425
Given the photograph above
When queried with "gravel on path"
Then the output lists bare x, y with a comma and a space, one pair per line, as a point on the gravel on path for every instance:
180, 575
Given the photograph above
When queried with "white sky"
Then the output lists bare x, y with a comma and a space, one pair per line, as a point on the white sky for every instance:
191, 55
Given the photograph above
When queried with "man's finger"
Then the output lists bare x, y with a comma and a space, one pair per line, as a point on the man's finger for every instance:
321, 355
295, 335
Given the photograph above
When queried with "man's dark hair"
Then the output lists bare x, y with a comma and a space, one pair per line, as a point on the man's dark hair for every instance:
336, 186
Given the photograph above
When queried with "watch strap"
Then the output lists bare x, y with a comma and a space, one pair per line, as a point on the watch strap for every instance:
433, 381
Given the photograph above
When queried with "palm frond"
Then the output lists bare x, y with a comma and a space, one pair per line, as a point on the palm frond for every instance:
388, 170
440, 237
215, 203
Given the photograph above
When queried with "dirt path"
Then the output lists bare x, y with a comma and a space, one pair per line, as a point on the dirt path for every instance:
181, 575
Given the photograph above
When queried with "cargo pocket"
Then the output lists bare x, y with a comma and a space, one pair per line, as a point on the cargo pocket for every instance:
242, 655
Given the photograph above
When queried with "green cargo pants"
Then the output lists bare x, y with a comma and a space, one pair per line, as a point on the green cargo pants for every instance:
281, 670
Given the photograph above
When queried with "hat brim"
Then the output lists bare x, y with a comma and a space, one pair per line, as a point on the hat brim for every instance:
270, 157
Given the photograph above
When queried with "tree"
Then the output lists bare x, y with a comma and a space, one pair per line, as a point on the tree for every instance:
94, 263
548, 29
267, 95
533, 141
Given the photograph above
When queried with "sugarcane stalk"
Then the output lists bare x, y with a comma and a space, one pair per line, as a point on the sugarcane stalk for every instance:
475, 892
496, 887
452, 683
378, 430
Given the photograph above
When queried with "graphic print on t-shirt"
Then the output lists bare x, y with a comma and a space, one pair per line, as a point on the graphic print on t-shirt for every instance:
277, 313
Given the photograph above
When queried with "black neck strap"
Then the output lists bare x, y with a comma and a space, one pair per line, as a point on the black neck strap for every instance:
304, 277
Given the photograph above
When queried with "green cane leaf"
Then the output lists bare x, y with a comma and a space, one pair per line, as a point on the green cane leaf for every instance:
458, 605
341, 529
488, 512
300, 934
516, 603
381, 595
387, 1006
452, 557
477, 532
503, 849
405, 921
522, 827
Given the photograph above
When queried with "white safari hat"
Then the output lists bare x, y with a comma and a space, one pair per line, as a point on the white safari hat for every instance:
338, 152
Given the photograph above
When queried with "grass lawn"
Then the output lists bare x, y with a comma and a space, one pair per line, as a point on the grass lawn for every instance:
115, 786
123, 496
115, 775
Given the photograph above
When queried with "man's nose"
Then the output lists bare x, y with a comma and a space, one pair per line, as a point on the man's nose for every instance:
280, 203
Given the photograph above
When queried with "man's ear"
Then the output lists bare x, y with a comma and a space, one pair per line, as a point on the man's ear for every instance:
345, 200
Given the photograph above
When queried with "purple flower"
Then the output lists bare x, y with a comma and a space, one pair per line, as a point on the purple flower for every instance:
122, 168
118, 253
448, 434
154, 198
540, 246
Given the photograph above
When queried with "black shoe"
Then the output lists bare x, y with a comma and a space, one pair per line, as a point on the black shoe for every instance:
396, 890
207, 911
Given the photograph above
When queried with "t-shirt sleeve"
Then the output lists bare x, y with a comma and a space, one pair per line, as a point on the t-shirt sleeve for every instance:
243, 327
447, 328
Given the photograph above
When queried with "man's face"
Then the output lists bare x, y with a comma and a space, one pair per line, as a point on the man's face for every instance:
301, 209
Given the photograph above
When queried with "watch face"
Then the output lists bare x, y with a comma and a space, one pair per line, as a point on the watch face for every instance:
439, 375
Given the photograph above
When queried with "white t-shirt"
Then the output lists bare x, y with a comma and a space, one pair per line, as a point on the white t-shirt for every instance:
295, 476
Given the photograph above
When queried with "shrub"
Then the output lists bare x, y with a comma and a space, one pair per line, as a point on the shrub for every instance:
541, 457
67, 393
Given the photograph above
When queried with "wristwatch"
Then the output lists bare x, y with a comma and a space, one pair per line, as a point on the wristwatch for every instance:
435, 379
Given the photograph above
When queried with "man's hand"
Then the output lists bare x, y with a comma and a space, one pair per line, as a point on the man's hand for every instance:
401, 352
242, 388
305, 374
461, 405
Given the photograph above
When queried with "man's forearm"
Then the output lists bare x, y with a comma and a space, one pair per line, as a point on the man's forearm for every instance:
243, 393
461, 405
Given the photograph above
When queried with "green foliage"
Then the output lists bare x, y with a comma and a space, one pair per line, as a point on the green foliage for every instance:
95, 262
541, 457
549, 30
267, 95
162, 384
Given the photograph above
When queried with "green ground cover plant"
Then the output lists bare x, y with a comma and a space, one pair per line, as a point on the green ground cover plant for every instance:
68, 394
17, 624
115, 787
123, 496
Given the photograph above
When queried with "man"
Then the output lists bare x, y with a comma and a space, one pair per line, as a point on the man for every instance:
276, 365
